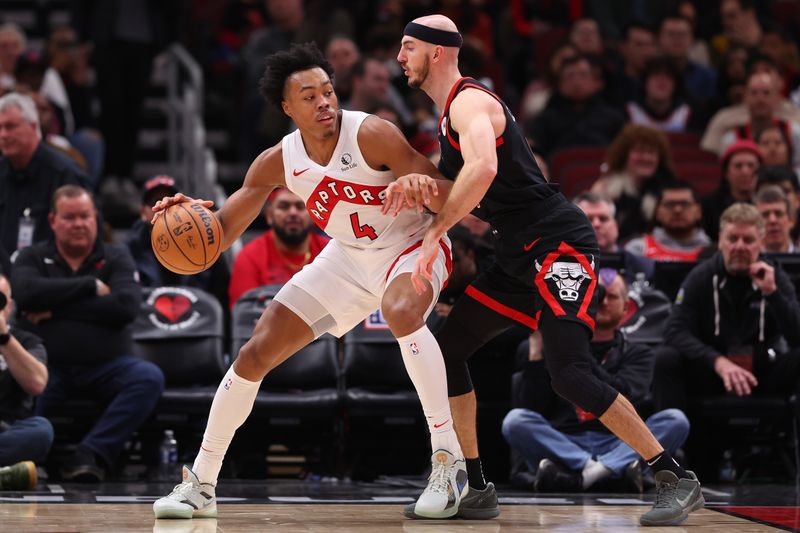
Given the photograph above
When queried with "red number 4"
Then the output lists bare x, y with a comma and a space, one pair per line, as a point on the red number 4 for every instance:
362, 230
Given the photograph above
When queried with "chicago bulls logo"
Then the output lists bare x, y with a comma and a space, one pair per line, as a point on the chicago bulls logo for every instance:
568, 277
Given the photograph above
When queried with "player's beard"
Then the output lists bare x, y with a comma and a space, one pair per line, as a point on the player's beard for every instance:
423, 75
291, 237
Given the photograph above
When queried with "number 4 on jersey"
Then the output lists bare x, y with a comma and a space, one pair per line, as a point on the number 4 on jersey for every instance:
362, 230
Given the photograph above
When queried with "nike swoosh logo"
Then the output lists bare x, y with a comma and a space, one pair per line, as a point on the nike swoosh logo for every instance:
527, 247
684, 502
296, 173
437, 426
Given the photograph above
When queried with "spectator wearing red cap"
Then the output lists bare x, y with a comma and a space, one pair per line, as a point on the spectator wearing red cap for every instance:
279, 252
740, 164
152, 274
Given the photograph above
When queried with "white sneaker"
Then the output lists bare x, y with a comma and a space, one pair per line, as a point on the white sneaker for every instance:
447, 484
190, 499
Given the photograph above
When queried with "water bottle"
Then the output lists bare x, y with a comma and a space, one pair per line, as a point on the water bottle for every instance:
168, 455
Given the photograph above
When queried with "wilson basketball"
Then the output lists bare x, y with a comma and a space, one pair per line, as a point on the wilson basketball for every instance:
187, 238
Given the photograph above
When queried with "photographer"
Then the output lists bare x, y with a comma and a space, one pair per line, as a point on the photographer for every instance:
24, 439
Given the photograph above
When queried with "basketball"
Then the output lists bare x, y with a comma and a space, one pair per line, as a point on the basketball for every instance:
186, 238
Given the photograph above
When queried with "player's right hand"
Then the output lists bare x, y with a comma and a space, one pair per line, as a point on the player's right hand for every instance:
178, 198
412, 190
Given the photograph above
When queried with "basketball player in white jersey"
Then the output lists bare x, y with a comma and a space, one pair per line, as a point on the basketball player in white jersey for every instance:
340, 163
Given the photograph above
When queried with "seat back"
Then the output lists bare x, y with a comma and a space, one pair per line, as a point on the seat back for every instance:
372, 358
180, 329
246, 312
646, 316
316, 366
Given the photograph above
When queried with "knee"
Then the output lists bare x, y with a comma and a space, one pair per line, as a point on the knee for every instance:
677, 421
403, 315
259, 354
518, 422
150, 376
43, 438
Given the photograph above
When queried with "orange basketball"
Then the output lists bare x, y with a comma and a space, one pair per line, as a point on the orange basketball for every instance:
186, 238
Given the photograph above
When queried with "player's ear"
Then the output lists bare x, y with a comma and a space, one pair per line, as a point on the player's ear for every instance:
285, 108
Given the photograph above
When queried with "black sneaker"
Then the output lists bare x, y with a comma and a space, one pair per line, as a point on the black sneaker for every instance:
675, 499
476, 505
82, 467
632, 475
552, 477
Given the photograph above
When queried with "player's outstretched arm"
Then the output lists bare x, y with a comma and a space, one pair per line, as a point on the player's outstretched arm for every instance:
244, 205
419, 181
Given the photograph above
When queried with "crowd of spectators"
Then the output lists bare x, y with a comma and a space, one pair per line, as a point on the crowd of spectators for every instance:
689, 111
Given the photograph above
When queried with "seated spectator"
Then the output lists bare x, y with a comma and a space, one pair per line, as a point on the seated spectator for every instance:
30, 171
279, 252
740, 164
576, 114
639, 162
637, 47
342, 53
12, 45
600, 212
737, 115
735, 325
762, 98
775, 209
79, 295
675, 38
24, 439
740, 26
465, 269
661, 103
570, 447
731, 80
215, 280
67, 84
676, 235
370, 86
784, 178
538, 92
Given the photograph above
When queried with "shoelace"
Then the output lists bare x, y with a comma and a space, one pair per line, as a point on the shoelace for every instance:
438, 478
665, 494
183, 488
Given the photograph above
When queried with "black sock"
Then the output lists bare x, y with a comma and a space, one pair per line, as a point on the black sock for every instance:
475, 474
664, 461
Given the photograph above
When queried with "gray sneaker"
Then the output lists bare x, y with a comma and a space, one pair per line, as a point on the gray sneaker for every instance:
476, 505
675, 499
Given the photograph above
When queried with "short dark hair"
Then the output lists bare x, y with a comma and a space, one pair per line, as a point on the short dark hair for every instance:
777, 174
574, 60
68, 191
773, 194
636, 25
280, 65
675, 185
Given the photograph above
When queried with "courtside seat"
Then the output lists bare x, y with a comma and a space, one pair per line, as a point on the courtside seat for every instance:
300, 402
384, 415
180, 329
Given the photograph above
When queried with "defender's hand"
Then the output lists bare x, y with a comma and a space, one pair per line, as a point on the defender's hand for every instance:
411, 190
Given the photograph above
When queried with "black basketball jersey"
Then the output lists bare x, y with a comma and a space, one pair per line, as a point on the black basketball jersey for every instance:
518, 192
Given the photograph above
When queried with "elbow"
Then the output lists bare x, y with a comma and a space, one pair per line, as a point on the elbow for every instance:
35, 386
487, 170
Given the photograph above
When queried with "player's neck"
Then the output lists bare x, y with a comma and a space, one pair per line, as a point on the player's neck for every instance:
439, 88
320, 149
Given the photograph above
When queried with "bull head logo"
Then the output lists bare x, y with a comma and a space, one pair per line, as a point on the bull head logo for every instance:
568, 277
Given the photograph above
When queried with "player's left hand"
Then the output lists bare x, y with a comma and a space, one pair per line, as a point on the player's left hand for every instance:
763, 276
423, 267
412, 190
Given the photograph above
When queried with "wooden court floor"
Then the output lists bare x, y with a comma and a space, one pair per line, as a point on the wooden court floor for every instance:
336, 518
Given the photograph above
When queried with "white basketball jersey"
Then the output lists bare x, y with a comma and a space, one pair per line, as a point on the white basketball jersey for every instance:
345, 197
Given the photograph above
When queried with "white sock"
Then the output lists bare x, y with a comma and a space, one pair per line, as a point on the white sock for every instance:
594, 471
232, 404
425, 366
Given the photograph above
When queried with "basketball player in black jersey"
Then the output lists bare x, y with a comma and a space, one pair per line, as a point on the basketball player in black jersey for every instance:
543, 276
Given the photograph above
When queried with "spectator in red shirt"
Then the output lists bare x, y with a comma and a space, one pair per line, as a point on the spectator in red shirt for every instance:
281, 251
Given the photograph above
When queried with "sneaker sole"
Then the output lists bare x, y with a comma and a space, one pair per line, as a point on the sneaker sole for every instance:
479, 514
185, 514
32, 475
698, 504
